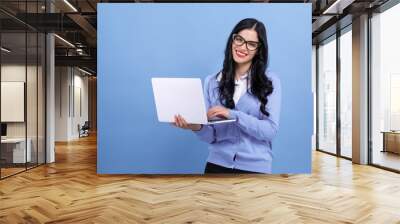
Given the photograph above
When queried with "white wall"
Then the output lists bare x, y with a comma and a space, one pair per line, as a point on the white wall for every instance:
79, 117
15, 72
70, 83
62, 81
33, 127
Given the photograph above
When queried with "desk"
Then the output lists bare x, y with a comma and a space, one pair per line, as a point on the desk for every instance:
391, 141
13, 150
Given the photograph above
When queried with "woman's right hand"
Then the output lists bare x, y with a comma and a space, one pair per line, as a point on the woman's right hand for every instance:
181, 123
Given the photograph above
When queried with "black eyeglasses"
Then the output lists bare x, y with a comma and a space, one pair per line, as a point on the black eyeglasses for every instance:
250, 45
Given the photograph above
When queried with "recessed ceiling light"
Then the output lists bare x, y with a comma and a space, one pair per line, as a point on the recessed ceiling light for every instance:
338, 6
84, 71
64, 40
5, 50
70, 5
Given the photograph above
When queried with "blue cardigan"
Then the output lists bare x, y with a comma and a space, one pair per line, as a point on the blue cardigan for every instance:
247, 143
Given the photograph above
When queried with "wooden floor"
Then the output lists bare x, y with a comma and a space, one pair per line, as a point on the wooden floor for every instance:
5, 172
387, 159
70, 191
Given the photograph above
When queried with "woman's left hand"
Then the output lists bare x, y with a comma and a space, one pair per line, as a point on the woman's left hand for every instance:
218, 111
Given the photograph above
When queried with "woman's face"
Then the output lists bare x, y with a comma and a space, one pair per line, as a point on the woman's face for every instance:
241, 53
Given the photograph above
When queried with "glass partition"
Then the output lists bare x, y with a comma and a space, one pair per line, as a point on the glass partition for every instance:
32, 95
14, 153
385, 89
327, 95
346, 92
22, 78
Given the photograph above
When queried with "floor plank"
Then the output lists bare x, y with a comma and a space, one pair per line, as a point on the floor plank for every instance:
70, 191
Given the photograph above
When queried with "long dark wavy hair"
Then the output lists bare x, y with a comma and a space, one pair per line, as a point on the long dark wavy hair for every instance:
261, 85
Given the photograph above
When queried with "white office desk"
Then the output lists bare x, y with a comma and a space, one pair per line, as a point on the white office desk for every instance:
19, 149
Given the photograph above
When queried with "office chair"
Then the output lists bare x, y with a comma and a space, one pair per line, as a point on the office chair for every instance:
84, 130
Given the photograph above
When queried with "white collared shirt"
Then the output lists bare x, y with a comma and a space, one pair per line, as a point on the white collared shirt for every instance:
240, 86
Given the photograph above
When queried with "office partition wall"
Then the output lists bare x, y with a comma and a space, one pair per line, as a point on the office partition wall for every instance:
22, 88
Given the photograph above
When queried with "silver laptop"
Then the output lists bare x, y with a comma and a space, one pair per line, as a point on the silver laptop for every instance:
182, 96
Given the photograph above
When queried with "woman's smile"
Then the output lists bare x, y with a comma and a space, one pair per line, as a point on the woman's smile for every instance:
241, 54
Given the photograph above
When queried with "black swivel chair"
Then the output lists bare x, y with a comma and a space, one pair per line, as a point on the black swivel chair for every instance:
84, 130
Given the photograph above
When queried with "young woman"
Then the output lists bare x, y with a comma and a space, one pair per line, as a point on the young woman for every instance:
245, 91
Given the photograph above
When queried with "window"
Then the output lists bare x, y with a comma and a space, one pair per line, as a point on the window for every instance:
385, 88
327, 95
346, 92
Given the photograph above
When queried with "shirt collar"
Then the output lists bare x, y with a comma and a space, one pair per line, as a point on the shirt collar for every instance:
243, 77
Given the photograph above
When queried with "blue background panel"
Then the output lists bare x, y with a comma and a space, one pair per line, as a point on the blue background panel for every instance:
140, 41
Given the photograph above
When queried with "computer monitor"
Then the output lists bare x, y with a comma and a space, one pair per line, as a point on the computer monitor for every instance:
3, 129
